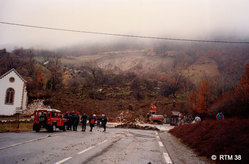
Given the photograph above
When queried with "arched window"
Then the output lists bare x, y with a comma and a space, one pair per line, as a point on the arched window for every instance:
10, 95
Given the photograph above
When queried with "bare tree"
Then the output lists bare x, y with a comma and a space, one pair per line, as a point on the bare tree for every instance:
172, 85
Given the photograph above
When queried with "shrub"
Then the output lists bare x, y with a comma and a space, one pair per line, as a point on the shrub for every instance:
225, 137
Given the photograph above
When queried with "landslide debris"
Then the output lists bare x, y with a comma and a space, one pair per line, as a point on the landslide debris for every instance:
135, 126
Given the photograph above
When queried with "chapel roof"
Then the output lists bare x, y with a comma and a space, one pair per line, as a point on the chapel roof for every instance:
14, 70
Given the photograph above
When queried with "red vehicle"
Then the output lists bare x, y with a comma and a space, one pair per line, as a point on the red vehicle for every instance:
153, 117
49, 119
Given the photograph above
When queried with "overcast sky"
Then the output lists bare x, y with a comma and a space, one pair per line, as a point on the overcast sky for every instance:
193, 19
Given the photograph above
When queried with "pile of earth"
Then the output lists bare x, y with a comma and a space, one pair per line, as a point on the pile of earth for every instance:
135, 126
217, 137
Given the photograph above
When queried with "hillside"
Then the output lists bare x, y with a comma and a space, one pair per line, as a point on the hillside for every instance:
202, 68
110, 80
195, 62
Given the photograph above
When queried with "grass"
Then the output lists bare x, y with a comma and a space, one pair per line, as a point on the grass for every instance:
223, 137
12, 117
7, 118
12, 127
124, 92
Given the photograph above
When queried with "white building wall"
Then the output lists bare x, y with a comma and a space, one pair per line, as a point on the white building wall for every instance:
17, 85
25, 99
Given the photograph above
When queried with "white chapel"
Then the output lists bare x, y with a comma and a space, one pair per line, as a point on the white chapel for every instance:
13, 93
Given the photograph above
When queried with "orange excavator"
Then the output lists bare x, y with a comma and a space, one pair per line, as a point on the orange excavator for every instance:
152, 116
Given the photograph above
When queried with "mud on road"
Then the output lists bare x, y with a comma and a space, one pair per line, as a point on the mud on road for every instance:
117, 145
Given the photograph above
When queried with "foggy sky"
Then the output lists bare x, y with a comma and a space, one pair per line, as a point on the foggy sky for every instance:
193, 19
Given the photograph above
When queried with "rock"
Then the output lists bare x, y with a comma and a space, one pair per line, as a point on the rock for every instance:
34, 105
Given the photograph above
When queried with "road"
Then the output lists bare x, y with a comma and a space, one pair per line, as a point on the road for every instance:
114, 146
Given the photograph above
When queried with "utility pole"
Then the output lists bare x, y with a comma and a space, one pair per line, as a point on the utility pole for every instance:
18, 111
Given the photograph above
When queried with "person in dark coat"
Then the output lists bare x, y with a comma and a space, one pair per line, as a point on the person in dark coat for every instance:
98, 121
76, 120
71, 119
104, 121
83, 120
43, 118
66, 116
92, 121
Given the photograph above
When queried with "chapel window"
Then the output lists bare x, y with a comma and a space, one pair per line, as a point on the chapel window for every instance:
12, 79
10, 94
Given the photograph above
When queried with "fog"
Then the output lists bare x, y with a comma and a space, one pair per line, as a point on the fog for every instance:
192, 19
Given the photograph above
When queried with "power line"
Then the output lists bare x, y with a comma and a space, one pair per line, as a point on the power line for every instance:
122, 35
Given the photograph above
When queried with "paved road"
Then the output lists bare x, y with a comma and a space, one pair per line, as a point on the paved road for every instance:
114, 146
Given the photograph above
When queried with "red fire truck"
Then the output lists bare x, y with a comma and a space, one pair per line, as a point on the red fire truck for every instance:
50, 119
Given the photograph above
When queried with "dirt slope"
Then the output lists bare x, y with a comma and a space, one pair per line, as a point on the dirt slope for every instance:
212, 137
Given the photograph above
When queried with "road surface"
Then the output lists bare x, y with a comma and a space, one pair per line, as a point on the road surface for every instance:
114, 146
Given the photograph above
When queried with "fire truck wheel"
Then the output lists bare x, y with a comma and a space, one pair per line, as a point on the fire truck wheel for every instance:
36, 128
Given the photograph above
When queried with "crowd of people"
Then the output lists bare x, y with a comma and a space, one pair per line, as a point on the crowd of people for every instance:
74, 120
